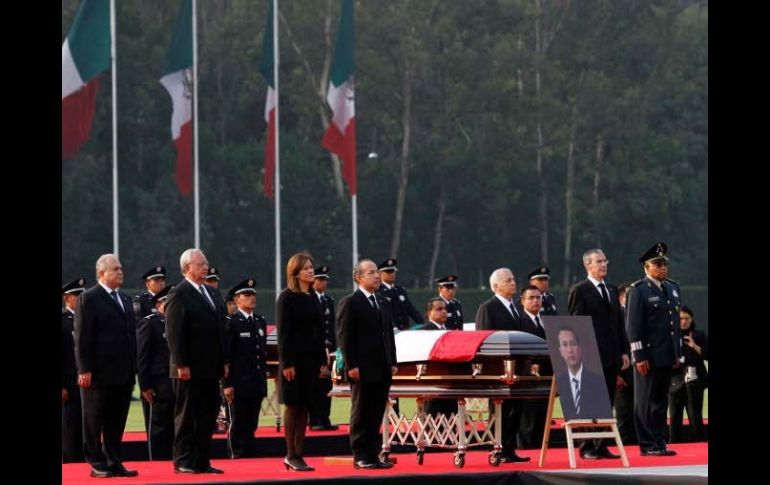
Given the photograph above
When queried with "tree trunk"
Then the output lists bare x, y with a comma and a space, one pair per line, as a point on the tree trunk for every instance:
568, 197
597, 179
543, 203
437, 233
403, 179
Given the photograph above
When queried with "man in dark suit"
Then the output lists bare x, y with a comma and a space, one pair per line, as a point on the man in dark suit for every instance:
438, 319
154, 281
320, 407
447, 289
105, 352
71, 410
653, 328
500, 313
533, 412
195, 323
396, 296
597, 299
541, 278
365, 335
581, 391
152, 361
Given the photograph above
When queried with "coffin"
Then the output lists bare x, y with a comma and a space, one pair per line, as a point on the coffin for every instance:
458, 364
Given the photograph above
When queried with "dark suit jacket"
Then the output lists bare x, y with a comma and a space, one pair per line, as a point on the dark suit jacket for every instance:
105, 337
152, 355
594, 401
609, 327
492, 315
530, 326
366, 337
195, 331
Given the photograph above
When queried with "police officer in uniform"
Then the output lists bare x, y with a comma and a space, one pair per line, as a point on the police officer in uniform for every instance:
396, 295
152, 368
71, 410
246, 384
223, 417
320, 406
212, 279
447, 288
541, 278
154, 281
652, 320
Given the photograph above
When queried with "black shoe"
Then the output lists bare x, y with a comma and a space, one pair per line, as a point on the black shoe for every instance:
210, 469
384, 464
330, 427
102, 473
658, 453
121, 471
364, 464
297, 465
317, 427
184, 469
590, 455
605, 453
512, 457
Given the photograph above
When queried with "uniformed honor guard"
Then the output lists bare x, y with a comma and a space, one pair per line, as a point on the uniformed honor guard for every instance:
447, 289
71, 410
154, 281
246, 384
396, 295
652, 319
541, 279
212, 278
152, 368
320, 407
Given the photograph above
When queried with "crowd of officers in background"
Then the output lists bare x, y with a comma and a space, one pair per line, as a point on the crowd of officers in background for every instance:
667, 373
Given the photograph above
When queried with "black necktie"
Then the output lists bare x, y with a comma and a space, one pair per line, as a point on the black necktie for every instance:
205, 296
374, 302
513, 311
605, 296
250, 320
114, 295
663, 289
537, 320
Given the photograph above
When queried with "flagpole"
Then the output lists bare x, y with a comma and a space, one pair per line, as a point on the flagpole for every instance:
277, 189
196, 195
114, 132
354, 207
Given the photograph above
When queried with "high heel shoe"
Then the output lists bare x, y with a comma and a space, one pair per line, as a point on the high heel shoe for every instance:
297, 465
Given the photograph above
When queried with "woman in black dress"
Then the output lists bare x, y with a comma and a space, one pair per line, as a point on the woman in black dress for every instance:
301, 353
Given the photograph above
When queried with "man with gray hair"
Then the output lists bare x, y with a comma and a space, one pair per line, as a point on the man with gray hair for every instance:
105, 353
501, 313
195, 323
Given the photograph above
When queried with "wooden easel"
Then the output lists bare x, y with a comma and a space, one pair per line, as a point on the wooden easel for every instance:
572, 435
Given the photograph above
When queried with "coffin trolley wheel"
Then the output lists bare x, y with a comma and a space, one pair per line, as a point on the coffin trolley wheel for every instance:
420, 456
459, 460
494, 458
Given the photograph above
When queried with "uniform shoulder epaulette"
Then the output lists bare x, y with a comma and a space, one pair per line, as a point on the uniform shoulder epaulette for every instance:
636, 283
458, 301
64, 311
147, 317
672, 281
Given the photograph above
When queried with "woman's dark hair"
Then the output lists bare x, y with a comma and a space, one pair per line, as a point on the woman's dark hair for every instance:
688, 311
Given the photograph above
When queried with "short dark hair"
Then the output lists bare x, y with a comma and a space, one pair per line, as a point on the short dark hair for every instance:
623, 288
529, 287
688, 311
429, 303
567, 328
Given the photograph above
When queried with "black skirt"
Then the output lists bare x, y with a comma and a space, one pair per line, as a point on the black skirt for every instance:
299, 392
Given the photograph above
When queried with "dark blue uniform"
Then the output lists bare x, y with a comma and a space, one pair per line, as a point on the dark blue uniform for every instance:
652, 322
549, 304
320, 406
246, 341
454, 310
71, 410
143, 305
402, 307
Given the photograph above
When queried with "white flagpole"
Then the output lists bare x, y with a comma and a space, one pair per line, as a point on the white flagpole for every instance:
114, 132
277, 190
196, 184
354, 210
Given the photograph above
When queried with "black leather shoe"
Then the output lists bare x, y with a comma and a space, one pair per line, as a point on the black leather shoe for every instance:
121, 471
210, 469
184, 469
384, 464
330, 427
605, 453
317, 427
364, 464
513, 458
102, 473
297, 465
590, 455
658, 453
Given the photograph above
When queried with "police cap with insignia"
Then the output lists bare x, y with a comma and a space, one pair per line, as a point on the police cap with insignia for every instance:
388, 265
541, 272
213, 274
245, 286
155, 272
161, 295
448, 280
322, 272
657, 251
74, 287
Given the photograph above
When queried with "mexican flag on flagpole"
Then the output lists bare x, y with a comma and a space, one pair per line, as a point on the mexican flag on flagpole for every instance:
177, 79
84, 55
267, 68
340, 136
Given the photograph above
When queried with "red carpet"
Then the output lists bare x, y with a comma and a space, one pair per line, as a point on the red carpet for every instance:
434, 464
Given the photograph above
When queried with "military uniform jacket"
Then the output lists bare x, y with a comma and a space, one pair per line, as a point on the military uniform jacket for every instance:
329, 319
402, 307
143, 306
247, 348
454, 311
549, 304
152, 354
68, 369
652, 320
